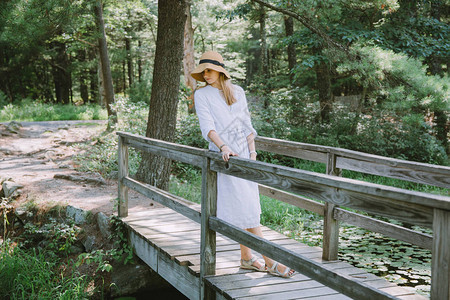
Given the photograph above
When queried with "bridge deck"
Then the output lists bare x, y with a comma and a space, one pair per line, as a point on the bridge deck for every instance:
170, 244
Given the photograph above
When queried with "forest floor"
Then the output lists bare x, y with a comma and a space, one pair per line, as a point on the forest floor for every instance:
39, 156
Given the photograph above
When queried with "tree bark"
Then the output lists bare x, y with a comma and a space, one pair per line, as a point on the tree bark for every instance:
129, 62
61, 76
435, 63
165, 89
84, 92
104, 58
292, 56
188, 58
324, 88
262, 30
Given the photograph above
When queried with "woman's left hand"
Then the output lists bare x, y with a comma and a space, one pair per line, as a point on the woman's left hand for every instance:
253, 156
227, 152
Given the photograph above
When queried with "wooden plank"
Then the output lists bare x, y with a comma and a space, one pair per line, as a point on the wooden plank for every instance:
292, 150
394, 231
163, 144
390, 202
177, 155
330, 243
179, 277
440, 265
308, 267
174, 202
208, 236
144, 250
123, 173
280, 288
299, 294
292, 199
432, 175
361, 162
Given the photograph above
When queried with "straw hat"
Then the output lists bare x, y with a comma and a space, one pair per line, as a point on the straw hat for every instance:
209, 60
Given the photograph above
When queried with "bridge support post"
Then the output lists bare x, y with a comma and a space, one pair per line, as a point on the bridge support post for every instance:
330, 224
440, 266
208, 236
123, 172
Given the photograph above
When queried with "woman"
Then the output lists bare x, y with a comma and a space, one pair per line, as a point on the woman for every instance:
225, 123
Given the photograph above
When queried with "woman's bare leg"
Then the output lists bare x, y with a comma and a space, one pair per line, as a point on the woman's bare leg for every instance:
246, 253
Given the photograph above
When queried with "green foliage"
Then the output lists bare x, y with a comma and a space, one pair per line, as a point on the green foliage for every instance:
29, 110
54, 237
34, 274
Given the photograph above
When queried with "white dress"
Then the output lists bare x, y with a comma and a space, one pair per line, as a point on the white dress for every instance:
237, 199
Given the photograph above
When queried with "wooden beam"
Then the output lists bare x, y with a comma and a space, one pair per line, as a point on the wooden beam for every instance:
361, 162
292, 199
440, 266
330, 244
341, 283
382, 200
394, 231
208, 236
173, 154
174, 202
123, 173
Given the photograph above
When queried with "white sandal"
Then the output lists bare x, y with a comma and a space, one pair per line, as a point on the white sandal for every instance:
248, 265
274, 271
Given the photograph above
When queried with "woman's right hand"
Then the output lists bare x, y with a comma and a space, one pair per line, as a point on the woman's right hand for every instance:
227, 152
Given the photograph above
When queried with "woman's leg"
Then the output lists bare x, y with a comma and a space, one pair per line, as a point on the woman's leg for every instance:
269, 262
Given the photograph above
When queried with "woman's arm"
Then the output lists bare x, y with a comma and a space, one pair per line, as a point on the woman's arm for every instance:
251, 146
225, 150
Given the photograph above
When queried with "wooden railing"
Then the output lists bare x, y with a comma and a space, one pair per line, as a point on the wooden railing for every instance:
298, 187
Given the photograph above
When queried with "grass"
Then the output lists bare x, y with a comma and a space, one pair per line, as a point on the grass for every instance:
32, 111
33, 274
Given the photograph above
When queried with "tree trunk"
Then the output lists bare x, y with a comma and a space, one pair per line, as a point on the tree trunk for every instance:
264, 69
262, 30
106, 68
324, 88
292, 56
188, 58
165, 89
435, 63
93, 77
129, 62
84, 92
61, 76
139, 61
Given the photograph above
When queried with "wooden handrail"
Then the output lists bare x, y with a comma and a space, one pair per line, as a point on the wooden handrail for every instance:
423, 173
292, 186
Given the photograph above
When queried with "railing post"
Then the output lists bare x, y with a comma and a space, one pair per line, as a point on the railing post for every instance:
208, 237
123, 172
330, 224
440, 266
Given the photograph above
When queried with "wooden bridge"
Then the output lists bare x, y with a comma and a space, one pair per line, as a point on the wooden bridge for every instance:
199, 254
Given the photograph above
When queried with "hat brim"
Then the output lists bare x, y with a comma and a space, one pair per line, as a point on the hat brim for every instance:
197, 73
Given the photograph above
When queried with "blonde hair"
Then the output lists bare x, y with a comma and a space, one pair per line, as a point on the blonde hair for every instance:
227, 89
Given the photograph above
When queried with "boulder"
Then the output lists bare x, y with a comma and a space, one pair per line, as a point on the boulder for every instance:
9, 187
89, 243
78, 215
134, 278
104, 225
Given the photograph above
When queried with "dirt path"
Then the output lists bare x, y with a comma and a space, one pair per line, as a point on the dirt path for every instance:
33, 153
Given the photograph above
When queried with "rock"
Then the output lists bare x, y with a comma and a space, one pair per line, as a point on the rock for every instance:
8, 188
77, 249
104, 225
89, 243
132, 278
78, 215
13, 127
98, 181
